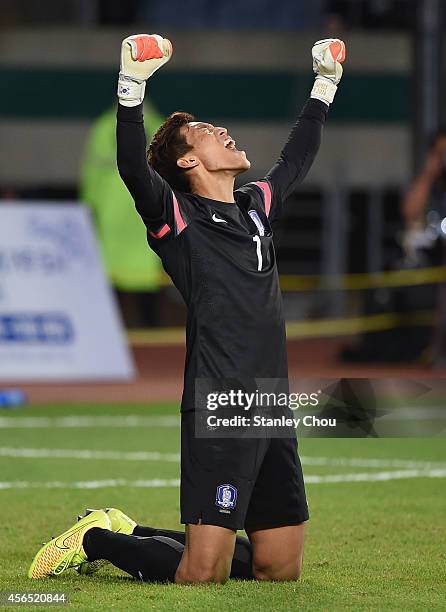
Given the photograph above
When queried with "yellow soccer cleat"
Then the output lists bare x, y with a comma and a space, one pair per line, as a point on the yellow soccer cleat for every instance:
66, 550
120, 523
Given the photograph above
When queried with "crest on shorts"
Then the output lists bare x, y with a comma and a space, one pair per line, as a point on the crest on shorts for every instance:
226, 496
255, 217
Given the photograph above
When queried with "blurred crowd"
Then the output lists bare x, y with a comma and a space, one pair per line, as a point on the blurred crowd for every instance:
135, 272
218, 14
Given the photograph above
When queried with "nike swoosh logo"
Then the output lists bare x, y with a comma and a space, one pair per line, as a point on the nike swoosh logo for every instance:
217, 219
61, 544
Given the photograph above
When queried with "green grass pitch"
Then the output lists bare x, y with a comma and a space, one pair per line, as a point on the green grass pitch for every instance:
376, 538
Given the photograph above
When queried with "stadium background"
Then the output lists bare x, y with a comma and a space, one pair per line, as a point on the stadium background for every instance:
344, 225
356, 305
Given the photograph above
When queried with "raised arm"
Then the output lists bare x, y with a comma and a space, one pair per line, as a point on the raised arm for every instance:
141, 56
146, 186
299, 152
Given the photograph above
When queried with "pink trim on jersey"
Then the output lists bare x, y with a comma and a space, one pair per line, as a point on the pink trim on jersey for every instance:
160, 233
264, 186
178, 218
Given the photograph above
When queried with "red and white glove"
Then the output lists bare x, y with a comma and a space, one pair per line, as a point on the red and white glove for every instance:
328, 56
141, 56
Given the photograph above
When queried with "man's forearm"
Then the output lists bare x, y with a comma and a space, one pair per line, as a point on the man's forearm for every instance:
131, 140
302, 146
141, 56
139, 178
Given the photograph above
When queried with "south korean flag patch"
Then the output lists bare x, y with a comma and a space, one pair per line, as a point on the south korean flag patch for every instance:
226, 498
255, 217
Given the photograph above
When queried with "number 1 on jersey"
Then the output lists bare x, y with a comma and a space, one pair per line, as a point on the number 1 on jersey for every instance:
259, 252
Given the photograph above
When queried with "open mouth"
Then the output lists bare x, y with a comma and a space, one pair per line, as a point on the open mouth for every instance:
229, 143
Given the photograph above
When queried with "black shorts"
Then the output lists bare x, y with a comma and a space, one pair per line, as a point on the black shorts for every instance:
240, 483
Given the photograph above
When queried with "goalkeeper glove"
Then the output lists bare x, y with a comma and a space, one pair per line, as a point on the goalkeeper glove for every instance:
141, 55
327, 58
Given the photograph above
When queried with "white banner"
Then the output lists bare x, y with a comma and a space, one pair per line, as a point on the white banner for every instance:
58, 317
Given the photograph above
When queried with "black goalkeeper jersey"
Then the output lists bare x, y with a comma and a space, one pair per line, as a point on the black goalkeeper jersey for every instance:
221, 256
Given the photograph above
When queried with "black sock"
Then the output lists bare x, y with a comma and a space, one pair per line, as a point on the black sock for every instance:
241, 563
152, 559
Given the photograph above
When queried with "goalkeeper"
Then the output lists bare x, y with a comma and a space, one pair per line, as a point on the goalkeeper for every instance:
217, 246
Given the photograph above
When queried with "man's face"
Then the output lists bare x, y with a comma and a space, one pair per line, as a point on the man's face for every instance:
214, 148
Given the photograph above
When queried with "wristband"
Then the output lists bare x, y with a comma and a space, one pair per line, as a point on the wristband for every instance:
324, 90
130, 91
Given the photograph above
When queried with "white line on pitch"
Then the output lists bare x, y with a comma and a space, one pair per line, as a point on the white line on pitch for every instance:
156, 483
57, 453
63, 453
130, 420
371, 463
90, 484
376, 476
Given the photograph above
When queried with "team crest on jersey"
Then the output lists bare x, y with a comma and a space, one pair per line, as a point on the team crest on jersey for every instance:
226, 496
255, 217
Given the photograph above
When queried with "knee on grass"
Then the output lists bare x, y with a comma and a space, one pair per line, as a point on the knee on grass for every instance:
277, 572
202, 573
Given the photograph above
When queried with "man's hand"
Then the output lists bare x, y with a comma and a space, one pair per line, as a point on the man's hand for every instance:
328, 56
141, 56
